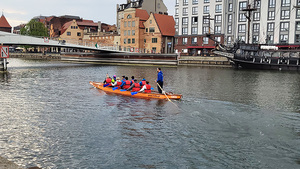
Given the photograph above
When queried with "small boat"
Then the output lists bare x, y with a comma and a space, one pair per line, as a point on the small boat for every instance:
152, 95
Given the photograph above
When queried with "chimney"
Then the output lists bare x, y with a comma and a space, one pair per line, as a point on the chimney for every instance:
99, 26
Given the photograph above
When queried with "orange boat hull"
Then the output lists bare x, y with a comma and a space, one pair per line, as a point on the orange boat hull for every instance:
138, 95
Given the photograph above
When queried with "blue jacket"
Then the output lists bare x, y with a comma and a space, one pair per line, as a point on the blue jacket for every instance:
123, 83
160, 76
141, 81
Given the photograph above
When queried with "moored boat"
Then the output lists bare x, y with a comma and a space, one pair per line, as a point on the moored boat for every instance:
153, 95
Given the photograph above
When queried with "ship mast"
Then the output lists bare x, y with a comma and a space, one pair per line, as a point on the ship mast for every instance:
249, 11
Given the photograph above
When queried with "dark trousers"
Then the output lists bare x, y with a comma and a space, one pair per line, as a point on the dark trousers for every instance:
161, 85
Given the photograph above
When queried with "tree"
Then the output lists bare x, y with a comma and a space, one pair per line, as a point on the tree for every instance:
35, 28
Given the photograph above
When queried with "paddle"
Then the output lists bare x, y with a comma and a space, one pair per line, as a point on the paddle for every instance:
166, 95
115, 88
133, 93
105, 85
152, 88
123, 90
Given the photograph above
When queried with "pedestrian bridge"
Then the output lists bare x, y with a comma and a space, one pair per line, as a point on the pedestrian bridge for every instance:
16, 39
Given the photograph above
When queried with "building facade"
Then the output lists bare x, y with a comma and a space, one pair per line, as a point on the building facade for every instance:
151, 6
275, 22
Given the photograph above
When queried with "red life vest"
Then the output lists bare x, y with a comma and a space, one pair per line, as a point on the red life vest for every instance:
108, 80
148, 89
119, 83
132, 81
136, 87
143, 83
127, 84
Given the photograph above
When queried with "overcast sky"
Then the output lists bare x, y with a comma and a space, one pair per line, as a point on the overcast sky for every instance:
21, 11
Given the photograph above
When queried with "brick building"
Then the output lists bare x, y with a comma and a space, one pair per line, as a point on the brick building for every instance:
4, 25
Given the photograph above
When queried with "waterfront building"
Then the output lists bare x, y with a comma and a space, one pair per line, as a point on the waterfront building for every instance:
141, 32
151, 6
275, 22
4, 25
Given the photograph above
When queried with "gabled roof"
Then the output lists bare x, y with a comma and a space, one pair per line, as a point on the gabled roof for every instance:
4, 23
65, 27
166, 24
142, 14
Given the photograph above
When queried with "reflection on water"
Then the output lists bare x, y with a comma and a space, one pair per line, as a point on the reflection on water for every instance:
52, 118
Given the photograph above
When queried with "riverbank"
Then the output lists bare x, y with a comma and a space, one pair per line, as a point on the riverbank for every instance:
115, 59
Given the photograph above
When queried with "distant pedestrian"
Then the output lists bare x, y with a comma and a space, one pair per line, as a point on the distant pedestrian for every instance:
160, 80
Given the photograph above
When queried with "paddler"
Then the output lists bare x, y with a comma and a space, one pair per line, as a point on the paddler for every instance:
117, 83
125, 84
143, 82
146, 88
160, 80
132, 79
135, 86
107, 80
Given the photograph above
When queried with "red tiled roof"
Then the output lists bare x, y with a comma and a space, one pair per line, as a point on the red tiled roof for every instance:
4, 23
142, 14
142, 24
65, 27
166, 24
86, 23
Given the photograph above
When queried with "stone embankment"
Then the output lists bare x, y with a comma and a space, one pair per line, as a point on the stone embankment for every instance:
38, 56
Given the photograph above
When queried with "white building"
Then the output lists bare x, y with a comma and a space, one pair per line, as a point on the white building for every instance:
272, 21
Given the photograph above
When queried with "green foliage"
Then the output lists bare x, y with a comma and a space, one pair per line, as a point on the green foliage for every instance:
35, 28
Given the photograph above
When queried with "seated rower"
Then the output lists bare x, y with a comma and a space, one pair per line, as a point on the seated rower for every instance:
146, 88
117, 83
125, 84
132, 80
143, 82
107, 80
135, 86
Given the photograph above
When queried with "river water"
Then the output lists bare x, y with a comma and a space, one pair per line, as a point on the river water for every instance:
52, 117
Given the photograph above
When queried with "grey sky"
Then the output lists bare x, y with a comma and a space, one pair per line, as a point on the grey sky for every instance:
21, 11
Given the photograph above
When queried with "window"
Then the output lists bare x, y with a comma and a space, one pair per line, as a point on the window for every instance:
184, 31
154, 40
242, 17
270, 27
242, 28
205, 20
229, 40
298, 13
298, 26
285, 14
125, 41
218, 39
284, 26
185, 21
229, 29
270, 39
257, 4
150, 21
229, 18
133, 23
256, 27
184, 41
176, 21
177, 3
146, 29
78, 34
230, 6
195, 20
125, 24
272, 3
128, 32
286, 3
298, 2
256, 16
184, 11
194, 41
176, 31
125, 33
218, 18
271, 15
217, 29
218, 0
129, 16
185, 2
297, 38
154, 49
255, 39
284, 38
206, 9
206, 1
205, 40
133, 32
176, 11
194, 30
129, 41
195, 2
151, 29
243, 5
68, 33
129, 24
205, 30
133, 41
218, 8
195, 10
242, 38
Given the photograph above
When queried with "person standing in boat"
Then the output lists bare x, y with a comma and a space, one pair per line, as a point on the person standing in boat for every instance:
146, 88
160, 80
